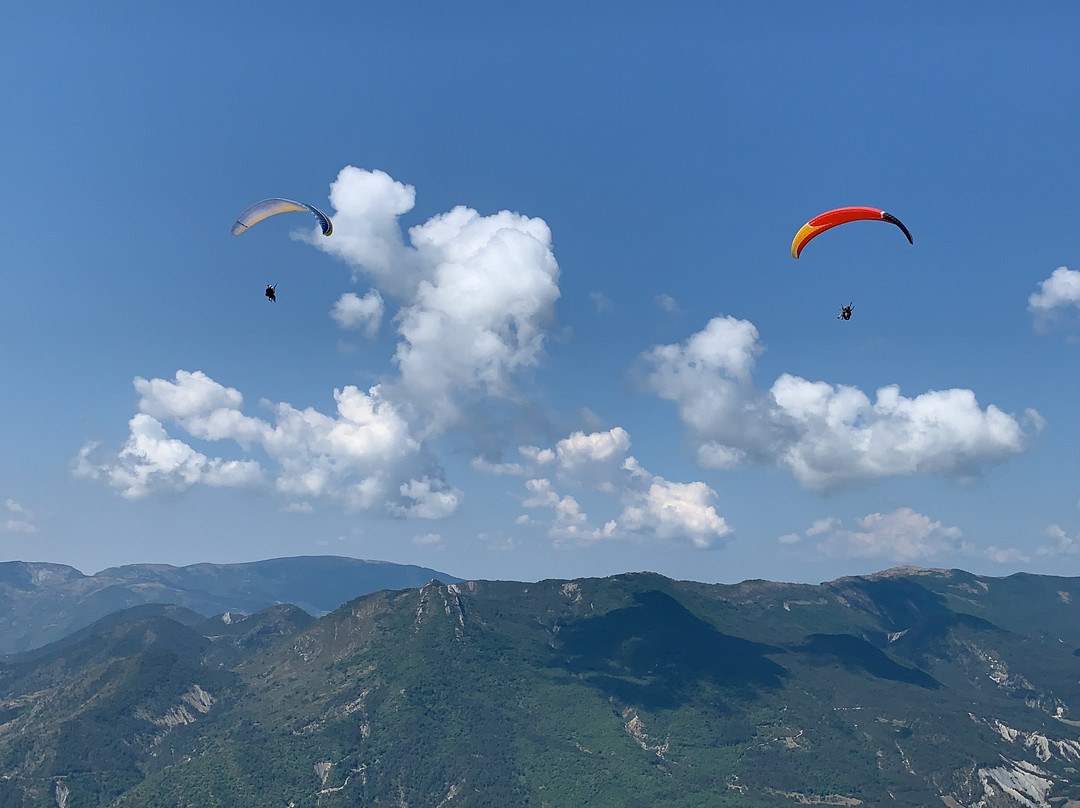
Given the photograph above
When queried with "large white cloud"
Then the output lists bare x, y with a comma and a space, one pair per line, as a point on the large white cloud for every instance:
476, 292
827, 436
843, 437
482, 315
363, 456
474, 295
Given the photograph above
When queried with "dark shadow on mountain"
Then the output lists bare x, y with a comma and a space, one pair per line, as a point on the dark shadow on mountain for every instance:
855, 653
657, 654
899, 603
929, 639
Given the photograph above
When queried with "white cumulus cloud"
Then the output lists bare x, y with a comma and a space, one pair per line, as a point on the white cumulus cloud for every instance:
470, 296
359, 313
428, 498
477, 292
901, 536
512, 469
150, 461
363, 456
367, 235
651, 507
482, 315
667, 303
827, 436
1061, 543
676, 510
602, 302
1062, 288
428, 540
19, 520
580, 449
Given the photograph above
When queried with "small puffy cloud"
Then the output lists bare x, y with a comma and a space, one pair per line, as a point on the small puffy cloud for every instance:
19, 519
823, 526
1061, 289
359, 313
367, 235
189, 397
499, 469
676, 510
828, 436
428, 499
593, 459
541, 494
667, 303
572, 524
712, 455
536, 454
725, 349
580, 449
1061, 543
499, 544
602, 302
652, 507
902, 536
1006, 555
152, 462
428, 540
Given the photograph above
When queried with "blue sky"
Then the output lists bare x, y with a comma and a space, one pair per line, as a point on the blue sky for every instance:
557, 331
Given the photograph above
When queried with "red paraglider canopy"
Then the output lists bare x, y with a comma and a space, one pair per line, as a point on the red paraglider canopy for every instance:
831, 218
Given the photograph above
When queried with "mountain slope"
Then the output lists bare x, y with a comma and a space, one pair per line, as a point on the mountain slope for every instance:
633, 690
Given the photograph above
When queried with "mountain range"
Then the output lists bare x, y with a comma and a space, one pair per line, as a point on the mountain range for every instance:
42, 602
911, 687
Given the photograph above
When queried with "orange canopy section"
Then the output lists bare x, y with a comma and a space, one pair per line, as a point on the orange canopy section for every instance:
831, 218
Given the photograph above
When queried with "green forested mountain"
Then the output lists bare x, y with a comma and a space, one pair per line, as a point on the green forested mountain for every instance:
42, 602
907, 688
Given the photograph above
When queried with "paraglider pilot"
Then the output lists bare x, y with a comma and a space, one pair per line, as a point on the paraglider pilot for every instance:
272, 295
845, 311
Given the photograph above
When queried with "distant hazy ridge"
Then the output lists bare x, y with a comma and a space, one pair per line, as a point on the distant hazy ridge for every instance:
40, 603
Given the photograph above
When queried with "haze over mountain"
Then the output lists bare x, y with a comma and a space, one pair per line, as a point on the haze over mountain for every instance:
910, 688
42, 602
